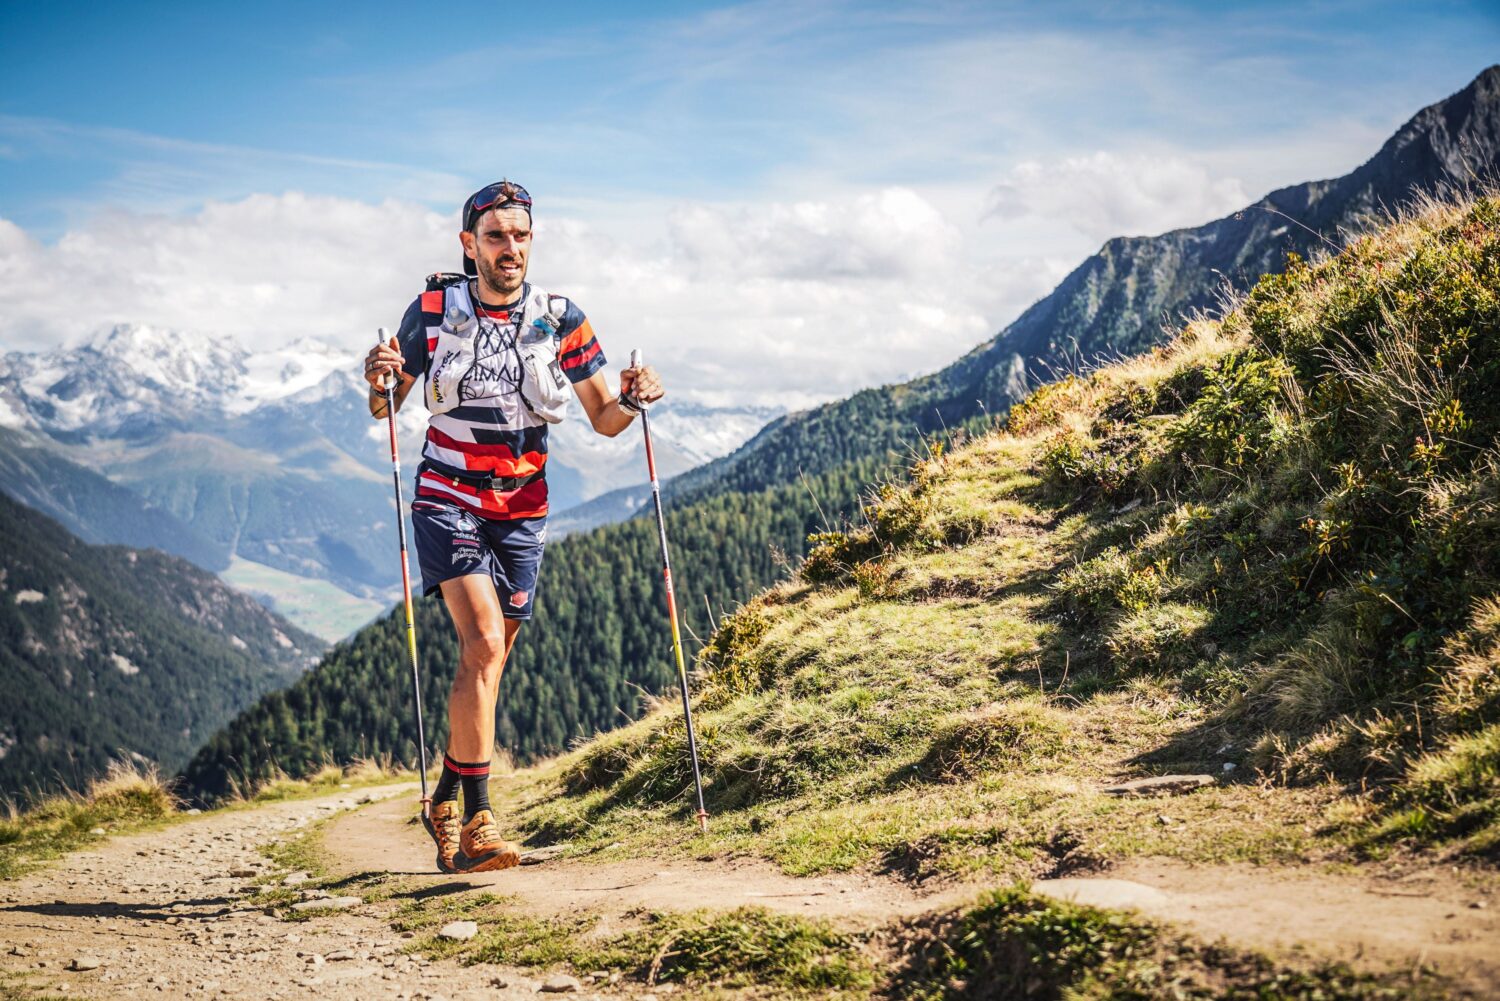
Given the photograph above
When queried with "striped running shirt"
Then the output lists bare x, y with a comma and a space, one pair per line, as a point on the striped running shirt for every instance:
495, 434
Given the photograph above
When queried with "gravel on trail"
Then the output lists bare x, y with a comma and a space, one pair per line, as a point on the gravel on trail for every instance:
165, 914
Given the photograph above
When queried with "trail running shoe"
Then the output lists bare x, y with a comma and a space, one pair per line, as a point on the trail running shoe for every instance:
443, 822
480, 847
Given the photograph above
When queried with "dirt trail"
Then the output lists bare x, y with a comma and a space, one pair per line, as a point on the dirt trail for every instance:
1394, 919
380, 839
1372, 920
164, 914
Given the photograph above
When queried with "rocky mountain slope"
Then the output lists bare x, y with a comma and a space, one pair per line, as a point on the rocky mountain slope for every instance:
118, 653
1127, 296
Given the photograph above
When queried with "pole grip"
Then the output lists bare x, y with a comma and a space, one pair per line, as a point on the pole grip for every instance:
383, 336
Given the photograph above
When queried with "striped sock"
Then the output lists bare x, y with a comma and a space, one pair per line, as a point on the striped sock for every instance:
447, 784
475, 778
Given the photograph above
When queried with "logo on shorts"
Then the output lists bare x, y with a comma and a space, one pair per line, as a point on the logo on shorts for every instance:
518, 600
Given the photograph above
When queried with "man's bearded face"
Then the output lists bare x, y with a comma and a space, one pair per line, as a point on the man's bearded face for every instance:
500, 246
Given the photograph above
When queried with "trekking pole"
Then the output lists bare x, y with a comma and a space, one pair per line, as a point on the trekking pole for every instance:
666, 574
411, 626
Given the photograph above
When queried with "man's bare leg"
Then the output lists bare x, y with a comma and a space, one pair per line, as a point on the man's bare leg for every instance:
471, 841
485, 638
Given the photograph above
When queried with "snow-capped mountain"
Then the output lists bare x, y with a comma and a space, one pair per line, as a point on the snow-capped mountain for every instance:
271, 455
132, 372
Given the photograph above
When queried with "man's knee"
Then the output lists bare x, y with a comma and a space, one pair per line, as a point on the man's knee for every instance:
482, 655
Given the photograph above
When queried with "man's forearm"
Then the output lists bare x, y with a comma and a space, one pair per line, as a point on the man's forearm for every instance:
377, 400
612, 419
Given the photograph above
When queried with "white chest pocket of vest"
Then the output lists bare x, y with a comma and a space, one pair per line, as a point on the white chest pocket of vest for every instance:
452, 360
544, 388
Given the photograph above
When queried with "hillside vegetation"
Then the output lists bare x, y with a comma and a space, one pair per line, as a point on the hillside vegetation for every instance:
1266, 551
111, 653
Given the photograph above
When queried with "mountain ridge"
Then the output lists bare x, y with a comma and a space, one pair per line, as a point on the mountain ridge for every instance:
1122, 298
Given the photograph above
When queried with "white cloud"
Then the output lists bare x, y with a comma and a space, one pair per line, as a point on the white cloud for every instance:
264, 270
783, 303
1108, 194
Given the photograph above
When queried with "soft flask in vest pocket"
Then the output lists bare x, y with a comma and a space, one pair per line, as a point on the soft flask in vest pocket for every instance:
544, 388
452, 358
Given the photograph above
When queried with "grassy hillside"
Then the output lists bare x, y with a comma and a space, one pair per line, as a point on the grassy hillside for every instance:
114, 653
1268, 551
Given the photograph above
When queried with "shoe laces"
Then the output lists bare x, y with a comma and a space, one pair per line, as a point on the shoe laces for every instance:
447, 824
486, 831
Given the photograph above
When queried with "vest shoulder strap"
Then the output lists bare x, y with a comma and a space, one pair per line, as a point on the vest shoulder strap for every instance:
441, 280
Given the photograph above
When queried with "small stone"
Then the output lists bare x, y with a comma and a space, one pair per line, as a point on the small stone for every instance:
314, 960
1163, 819
561, 984
243, 872
1229, 766
296, 879
536, 856
193, 812
97, 831
339, 956
328, 903
499, 983
459, 930
1156, 784
1477, 905
82, 963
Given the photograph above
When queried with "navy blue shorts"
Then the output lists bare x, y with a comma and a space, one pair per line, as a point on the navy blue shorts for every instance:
452, 542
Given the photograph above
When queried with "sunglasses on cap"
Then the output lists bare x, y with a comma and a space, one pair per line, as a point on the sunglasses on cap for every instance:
498, 195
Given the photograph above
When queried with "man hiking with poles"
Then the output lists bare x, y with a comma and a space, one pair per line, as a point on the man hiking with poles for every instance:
498, 355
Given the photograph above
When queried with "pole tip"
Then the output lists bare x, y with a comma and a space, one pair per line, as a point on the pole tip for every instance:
703, 821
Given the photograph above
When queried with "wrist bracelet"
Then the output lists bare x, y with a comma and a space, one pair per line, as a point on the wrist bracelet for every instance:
629, 405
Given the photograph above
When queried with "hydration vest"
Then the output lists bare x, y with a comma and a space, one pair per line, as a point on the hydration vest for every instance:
455, 374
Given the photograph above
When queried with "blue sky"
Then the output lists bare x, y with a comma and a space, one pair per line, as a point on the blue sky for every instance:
651, 129
157, 105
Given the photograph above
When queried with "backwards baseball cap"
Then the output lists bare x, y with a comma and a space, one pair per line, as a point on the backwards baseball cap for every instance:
499, 195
